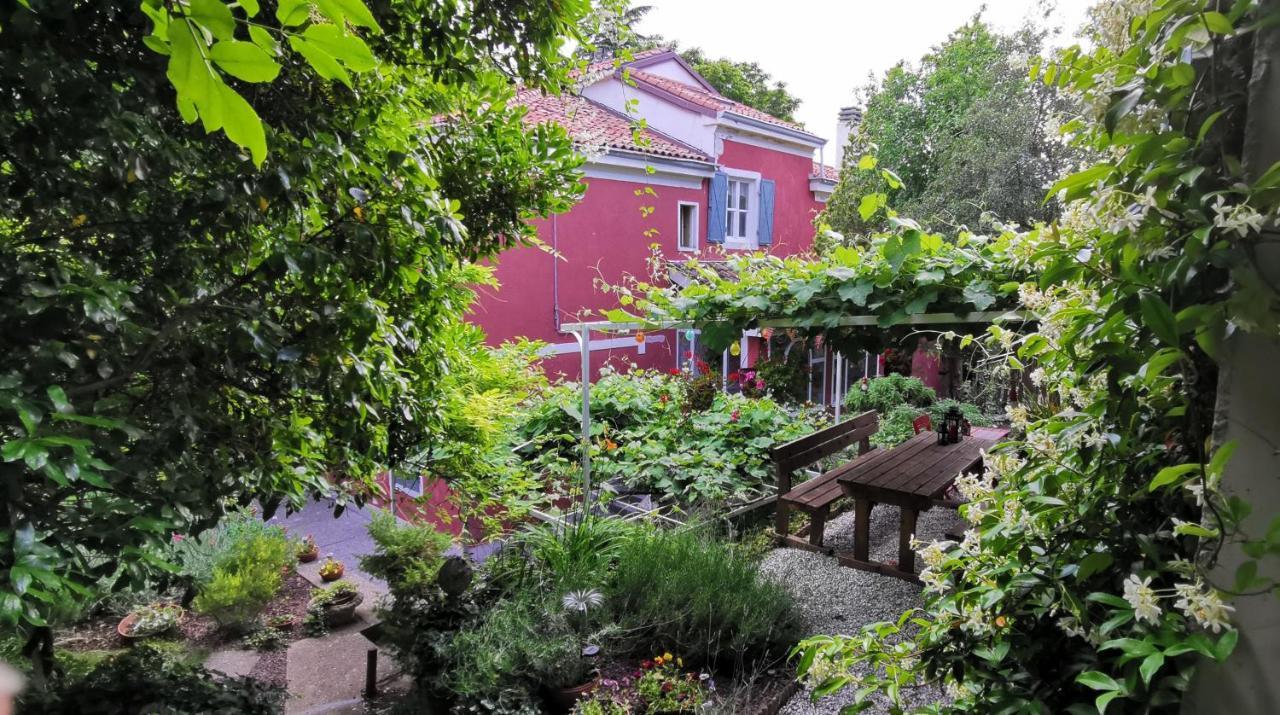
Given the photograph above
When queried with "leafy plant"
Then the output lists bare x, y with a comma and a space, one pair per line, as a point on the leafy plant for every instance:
882, 394
266, 639
340, 591
646, 440
663, 687
688, 593
407, 556
155, 618
145, 679
191, 325
331, 569
577, 555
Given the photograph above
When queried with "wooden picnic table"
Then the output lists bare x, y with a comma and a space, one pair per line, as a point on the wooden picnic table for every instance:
913, 476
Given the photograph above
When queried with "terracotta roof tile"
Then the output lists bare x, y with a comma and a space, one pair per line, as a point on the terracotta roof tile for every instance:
709, 100
822, 171
594, 125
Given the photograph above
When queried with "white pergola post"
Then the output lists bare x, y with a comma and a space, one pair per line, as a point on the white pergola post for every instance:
583, 337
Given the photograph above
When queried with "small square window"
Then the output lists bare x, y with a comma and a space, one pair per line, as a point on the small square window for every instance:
687, 230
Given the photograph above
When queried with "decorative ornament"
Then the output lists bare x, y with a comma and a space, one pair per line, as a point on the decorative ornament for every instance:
640, 338
689, 334
735, 349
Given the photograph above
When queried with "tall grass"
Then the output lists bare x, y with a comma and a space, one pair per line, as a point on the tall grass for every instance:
683, 591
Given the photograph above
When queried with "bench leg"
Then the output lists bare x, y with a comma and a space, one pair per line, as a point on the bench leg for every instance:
861, 529
907, 557
782, 519
817, 522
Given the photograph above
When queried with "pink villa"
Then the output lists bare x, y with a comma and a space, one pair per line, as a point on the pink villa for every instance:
718, 175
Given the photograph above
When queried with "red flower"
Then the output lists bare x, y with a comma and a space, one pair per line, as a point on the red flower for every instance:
675, 371
662, 399
734, 376
646, 664
735, 416
666, 686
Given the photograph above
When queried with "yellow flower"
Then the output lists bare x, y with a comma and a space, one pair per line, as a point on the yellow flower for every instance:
680, 662
262, 203
667, 657
79, 220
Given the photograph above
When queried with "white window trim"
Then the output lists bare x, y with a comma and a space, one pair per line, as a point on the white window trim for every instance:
696, 241
407, 490
752, 240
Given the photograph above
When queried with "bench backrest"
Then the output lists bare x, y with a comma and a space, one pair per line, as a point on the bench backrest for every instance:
800, 453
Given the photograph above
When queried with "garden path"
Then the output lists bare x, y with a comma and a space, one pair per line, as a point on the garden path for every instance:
836, 599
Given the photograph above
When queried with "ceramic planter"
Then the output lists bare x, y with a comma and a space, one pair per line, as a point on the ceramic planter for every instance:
342, 612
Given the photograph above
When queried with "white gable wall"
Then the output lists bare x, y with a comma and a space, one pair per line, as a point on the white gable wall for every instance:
672, 69
690, 127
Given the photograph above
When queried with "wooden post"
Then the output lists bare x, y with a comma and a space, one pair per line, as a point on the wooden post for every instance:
861, 529
907, 529
782, 517
371, 673
817, 522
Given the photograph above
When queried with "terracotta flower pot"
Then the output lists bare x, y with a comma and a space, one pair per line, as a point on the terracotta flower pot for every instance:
563, 699
307, 557
125, 627
333, 574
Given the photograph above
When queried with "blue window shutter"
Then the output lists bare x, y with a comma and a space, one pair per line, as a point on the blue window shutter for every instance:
765, 235
717, 205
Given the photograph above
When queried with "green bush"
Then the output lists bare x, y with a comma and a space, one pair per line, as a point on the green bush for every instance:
246, 574
645, 438
686, 593
971, 412
896, 427
145, 679
882, 394
406, 556
578, 555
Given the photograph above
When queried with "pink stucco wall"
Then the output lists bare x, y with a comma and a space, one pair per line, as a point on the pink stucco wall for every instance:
603, 238
794, 205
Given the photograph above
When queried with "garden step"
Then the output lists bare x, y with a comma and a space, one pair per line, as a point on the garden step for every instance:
326, 675
233, 662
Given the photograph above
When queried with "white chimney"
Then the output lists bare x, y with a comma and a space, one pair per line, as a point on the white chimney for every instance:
846, 123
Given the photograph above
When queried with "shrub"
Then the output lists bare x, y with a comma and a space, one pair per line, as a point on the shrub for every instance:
145, 679
250, 556
882, 394
684, 592
896, 427
647, 441
266, 639
406, 556
577, 555
971, 412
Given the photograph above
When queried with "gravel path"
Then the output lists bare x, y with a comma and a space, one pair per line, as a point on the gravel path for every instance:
837, 599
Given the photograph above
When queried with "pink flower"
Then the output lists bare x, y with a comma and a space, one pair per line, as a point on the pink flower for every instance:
759, 384
737, 414
177, 538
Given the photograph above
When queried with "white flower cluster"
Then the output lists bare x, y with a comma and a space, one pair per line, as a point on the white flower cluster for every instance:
823, 668
1202, 605
1240, 218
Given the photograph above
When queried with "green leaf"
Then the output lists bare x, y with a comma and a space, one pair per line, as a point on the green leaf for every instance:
867, 162
215, 16
1218, 23
870, 204
1226, 645
322, 62
1171, 475
1105, 699
244, 60
263, 39
1120, 108
347, 49
1080, 182
1093, 563
353, 11
1207, 125
1182, 74
980, 294
242, 125
58, 397
1097, 680
293, 12
250, 7
1157, 316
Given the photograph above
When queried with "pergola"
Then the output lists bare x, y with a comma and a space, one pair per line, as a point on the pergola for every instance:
582, 334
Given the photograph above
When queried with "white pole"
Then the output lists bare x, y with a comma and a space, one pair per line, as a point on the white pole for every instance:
836, 384
584, 347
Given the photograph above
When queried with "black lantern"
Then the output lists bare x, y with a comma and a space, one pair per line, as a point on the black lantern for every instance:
942, 432
954, 422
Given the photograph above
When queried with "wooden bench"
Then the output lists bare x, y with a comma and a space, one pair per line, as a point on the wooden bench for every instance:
816, 495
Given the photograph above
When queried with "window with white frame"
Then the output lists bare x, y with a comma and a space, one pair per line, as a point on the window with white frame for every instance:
687, 229
738, 209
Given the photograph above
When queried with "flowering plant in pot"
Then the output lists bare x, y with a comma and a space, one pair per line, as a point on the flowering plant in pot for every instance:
150, 620
307, 550
331, 569
663, 687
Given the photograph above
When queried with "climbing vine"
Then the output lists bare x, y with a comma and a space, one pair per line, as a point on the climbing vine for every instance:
1087, 579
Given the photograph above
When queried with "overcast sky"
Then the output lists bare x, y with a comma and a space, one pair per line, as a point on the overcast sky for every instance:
824, 49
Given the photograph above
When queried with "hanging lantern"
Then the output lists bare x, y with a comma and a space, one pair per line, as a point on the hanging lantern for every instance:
767, 333
735, 348
689, 335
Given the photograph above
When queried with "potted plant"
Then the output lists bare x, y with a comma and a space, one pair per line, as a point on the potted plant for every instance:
150, 620
331, 569
282, 622
569, 667
337, 604
307, 550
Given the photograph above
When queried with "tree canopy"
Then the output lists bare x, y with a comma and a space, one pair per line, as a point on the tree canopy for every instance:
191, 323
966, 132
